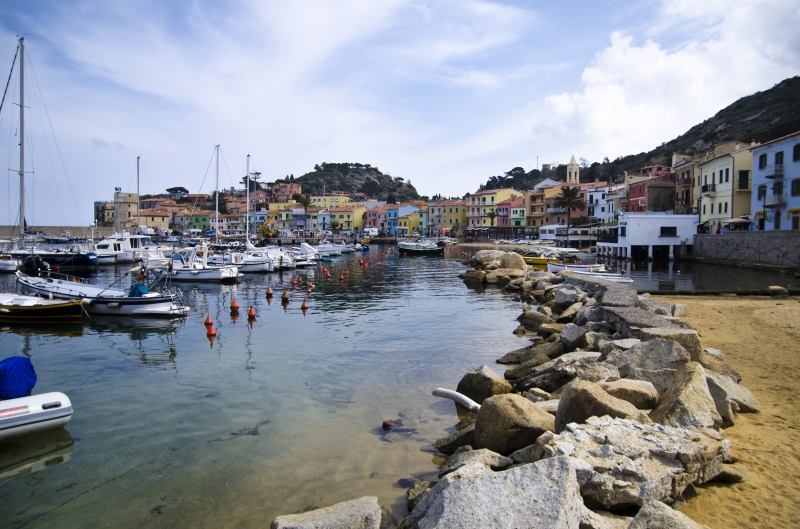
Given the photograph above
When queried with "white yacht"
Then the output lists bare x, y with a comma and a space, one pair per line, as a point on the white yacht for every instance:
326, 247
191, 264
305, 255
128, 248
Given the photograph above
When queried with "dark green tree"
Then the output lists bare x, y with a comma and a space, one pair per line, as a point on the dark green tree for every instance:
492, 215
570, 198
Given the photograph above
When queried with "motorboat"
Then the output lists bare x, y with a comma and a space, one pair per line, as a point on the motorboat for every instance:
326, 247
251, 261
614, 277
187, 265
72, 258
17, 307
35, 413
8, 264
420, 246
539, 261
137, 300
125, 247
345, 248
305, 255
281, 257
554, 268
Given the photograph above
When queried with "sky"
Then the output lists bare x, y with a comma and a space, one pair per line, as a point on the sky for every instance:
442, 93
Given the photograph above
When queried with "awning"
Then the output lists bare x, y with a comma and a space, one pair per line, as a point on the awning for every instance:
737, 221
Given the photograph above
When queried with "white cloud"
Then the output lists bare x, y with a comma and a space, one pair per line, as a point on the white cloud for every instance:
636, 96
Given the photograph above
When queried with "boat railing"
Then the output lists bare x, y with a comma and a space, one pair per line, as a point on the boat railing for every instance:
64, 277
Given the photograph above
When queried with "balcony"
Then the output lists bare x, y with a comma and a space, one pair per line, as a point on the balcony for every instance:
684, 182
609, 238
774, 171
775, 201
536, 214
709, 189
557, 210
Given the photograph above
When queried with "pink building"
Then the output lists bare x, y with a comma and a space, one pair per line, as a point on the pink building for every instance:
376, 218
504, 210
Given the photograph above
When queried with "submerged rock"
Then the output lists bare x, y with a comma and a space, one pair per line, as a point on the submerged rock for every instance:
362, 513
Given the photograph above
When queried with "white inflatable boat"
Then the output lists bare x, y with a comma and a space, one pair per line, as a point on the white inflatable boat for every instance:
34, 414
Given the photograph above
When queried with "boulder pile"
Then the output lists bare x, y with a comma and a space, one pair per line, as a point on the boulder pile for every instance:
606, 421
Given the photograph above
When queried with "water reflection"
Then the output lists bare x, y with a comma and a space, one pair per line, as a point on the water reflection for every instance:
23, 456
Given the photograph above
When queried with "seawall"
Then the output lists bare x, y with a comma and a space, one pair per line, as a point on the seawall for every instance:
780, 248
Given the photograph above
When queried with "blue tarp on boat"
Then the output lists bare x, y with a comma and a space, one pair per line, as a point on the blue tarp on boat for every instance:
17, 377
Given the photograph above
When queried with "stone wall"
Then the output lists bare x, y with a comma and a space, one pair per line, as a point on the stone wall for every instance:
777, 248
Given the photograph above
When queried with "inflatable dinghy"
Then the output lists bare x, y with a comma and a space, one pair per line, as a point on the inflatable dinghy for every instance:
34, 414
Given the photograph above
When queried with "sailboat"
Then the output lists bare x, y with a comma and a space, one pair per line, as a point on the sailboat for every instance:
74, 257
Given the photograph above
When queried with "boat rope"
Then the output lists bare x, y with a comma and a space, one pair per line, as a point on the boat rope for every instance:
9, 78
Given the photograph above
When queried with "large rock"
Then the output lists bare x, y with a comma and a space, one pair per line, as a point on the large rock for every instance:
545, 495
532, 320
688, 403
514, 261
567, 295
507, 423
474, 277
688, 338
526, 368
656, 515
573, 337
502, 276
619, 297
641, 394
451, 443
485, 257
651, 355
740, 395
630, 320
362, 513
586, 399
621, 462
482, 383
520, 356
661, 379
603, 520
486, 457
569, 313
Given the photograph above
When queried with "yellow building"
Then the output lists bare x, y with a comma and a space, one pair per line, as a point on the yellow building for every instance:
334, 200
724, 194
455, 214
158, 220
482, 203
408, 224
350, 218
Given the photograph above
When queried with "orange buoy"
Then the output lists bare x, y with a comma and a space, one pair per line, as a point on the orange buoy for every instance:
347, 272
309, 290
269, 291
304, 306
211, 331
208, 321
58, 268
294, 283
251, 313
341, 278
234, 305
285, 296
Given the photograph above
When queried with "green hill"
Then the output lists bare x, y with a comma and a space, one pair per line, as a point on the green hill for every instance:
355, 178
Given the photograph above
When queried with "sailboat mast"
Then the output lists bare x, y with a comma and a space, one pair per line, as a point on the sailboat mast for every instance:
138, 221
22, 142
247, 205
216, 195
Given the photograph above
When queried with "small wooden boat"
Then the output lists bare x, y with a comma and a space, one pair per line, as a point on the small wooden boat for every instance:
554, 268
421, 246
539, 261
16, 307
606, 276
35, 413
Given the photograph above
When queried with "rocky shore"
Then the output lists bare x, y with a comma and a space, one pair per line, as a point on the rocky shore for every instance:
607, 420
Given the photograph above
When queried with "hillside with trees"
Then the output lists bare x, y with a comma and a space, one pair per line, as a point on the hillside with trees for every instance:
354, 178
762, 117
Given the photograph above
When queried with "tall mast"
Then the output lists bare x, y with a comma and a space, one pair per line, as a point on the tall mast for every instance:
216, 196
22, 142
138, 206
247, 205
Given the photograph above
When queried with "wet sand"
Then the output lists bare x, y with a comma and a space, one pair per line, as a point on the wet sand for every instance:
760, 338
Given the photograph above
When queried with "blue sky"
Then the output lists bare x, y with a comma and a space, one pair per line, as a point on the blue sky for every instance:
442, 93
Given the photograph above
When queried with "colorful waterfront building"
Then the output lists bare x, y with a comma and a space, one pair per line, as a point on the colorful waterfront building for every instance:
393, 214
776, 176
331, 200
408, 224
350, 218
482, 203
725, 194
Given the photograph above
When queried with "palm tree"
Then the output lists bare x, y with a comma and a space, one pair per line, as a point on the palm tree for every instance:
492, 215
570, 198
304, 200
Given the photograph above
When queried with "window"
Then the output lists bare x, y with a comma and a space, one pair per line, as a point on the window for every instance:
762, 191
779, 157
714, 175
712, 208
744, 180
762, 161
796, 187
704, 209
796, 153
669, 231
705, 179
726, 207
727, 175
796, 221
623, 231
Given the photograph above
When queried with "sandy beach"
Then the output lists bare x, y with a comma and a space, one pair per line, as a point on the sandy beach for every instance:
760, 338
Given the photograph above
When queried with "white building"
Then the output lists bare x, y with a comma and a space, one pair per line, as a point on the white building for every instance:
596, 204
648, 235
579, 236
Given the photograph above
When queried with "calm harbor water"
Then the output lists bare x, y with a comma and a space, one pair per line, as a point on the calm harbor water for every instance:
278, 417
